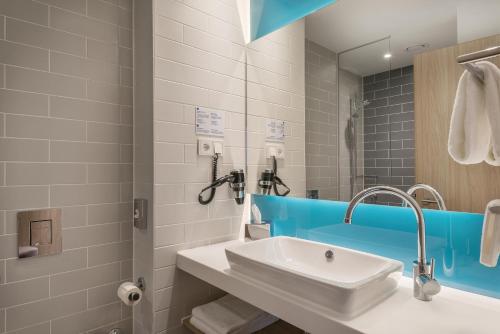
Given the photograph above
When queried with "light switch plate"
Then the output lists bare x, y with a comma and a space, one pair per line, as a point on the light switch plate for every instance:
208, 147
39, 233
218, 147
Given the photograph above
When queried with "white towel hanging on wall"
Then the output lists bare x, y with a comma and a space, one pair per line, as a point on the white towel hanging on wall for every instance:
492, 105
475, 121
469, 137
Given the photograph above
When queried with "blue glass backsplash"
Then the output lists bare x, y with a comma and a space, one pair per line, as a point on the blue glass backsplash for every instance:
453, 238
269, 15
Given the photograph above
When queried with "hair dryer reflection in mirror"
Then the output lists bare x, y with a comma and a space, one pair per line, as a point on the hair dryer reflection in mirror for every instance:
269, 180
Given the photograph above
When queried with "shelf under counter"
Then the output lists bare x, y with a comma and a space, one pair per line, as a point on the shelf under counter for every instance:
451, 312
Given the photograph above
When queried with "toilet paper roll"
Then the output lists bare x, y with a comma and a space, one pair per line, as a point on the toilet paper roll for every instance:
129, 293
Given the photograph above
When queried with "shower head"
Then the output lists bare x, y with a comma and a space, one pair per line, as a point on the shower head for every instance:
357, 105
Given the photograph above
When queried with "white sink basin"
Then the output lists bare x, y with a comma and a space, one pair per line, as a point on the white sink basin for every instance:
348, 284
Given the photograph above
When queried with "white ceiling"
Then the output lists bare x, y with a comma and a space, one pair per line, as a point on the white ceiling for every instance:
351, 23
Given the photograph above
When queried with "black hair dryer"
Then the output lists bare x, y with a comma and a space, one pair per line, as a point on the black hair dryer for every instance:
266, 181
269, 181
236, 181
237, 184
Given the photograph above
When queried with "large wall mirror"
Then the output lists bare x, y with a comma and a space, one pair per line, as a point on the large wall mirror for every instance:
366, 95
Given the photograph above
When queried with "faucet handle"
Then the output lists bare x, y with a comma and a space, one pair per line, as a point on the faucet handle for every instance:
425, 285
429, 286
432, 267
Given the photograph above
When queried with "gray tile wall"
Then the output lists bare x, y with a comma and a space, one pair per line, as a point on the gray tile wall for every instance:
389, 130
321, 120
66, 141
143, 157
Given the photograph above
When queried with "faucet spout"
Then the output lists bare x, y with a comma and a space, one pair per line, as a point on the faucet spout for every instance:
403, 196
423, 271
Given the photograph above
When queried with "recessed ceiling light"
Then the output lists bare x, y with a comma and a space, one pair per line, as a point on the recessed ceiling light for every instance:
387, 55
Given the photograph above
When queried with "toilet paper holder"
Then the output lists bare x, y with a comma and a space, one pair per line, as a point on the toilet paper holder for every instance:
141, 283
131, 293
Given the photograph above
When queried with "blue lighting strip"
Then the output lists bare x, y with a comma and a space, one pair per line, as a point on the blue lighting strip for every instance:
269, 15
453, 238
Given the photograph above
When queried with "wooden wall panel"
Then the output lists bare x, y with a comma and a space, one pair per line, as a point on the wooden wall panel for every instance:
464, 188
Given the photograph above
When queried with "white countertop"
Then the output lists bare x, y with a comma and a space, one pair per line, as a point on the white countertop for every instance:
451, 311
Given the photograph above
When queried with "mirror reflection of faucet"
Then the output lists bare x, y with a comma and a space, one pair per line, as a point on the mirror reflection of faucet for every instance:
448, 257
449, 252
438, 199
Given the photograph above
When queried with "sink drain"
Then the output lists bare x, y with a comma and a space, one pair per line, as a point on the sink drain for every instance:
330, 255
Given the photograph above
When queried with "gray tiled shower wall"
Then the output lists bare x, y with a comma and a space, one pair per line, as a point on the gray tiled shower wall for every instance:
66, 107
389, 130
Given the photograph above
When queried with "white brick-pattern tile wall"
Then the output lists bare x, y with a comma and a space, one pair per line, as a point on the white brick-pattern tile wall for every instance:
66, 142
276, 90
199, 60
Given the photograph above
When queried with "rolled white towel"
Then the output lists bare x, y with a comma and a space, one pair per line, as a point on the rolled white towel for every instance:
230, 315
470, 132
202, 326
261, 322
492, 105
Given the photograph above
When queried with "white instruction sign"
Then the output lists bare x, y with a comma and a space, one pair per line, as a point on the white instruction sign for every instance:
210, 122
275, 130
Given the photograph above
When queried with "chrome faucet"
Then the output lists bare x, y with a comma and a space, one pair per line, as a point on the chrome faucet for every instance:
438, 199
424, 284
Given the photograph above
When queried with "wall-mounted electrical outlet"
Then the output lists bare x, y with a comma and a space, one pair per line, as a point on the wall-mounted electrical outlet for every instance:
209, 147
275, 149
205, 147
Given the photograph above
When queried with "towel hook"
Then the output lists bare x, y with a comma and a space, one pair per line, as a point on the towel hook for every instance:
475, 70
468, 60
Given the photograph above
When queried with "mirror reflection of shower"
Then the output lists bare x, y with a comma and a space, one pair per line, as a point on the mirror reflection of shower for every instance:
343, 103
354, 67
356, 107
